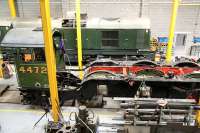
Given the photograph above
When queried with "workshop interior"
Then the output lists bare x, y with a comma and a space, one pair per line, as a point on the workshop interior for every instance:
99, 66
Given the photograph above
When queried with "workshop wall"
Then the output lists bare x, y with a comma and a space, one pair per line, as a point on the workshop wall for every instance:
4, 10
159, 12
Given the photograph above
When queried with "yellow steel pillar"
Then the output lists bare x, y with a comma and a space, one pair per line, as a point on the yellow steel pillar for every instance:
1, 62
172, 28
11, 4
79, 38
198, 116
50, 57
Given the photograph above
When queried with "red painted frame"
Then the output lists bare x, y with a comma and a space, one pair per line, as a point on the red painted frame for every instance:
134, 69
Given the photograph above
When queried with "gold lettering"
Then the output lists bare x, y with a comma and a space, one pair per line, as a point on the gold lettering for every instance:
43, 70
29, 69
21, 69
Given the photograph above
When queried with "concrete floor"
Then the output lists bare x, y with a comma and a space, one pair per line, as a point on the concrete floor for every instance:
20, 119
12, 95
16, 118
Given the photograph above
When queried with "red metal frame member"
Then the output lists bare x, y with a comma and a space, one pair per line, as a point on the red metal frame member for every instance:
177, 71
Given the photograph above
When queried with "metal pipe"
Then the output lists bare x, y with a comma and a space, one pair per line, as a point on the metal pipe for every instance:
79, 38
151, 111
154, 105
1, 67
172, 28
141, 8
11, 4
153, 100
50, 57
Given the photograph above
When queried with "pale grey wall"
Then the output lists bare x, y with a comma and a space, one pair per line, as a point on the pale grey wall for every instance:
31, 8
4, 9
158, 11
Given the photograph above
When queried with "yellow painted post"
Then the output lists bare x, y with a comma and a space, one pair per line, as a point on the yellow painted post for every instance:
171, 32
198, 116
79, 38
1, 62
50, 57
11, 4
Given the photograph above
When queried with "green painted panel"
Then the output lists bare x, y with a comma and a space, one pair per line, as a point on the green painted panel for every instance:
89, 39
69, 36
92, 38
32, 75
148, 38
127, 39
143, 39
100, 38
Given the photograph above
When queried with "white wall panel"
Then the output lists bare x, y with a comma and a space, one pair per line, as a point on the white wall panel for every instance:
4, 9
159, 12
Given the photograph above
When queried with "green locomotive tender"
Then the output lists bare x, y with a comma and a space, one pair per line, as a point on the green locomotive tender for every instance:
101, 38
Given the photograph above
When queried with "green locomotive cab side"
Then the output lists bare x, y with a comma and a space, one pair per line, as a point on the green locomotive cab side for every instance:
28, 49
31, 68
